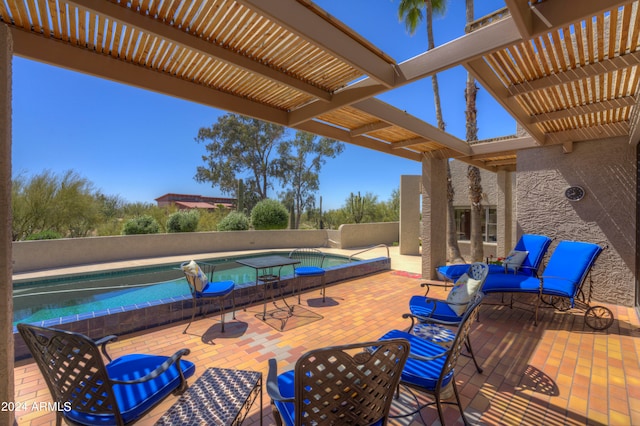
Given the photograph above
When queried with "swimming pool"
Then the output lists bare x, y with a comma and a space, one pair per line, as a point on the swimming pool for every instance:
103, 292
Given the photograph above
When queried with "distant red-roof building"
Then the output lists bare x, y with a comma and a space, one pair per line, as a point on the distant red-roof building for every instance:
190, 201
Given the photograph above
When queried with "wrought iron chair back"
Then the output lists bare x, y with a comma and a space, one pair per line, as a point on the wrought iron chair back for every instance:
311, 265
419, 364
455, 350
308, 257
350, 384
73, 367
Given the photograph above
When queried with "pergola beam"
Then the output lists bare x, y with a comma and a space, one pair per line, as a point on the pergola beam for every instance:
601, 131
471, 46
85, 61
482, 72
539, 18
368, 128
579, 73
333, 132
148, 25
409, 142
390, 114
503, 146
626, 101
554, 14
301, 20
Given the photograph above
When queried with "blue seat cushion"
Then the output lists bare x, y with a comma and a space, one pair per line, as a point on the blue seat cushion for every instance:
422, 307
568, 266
452, 272
536, 245
424, 374
287, 390
286, 385
506, 283
307, 271
216, 289
136, 399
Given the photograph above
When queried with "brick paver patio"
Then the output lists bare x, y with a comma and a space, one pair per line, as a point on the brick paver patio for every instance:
557, 373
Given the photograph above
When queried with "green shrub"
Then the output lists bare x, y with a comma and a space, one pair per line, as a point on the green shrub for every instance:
209, 219
141, 225
234, 221
183, 221
269, 214
44, 235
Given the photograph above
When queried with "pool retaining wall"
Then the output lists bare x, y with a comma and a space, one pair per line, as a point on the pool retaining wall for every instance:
30, 256
135, 318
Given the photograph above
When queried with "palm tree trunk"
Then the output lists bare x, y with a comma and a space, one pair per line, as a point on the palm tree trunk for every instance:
473, 173
453, 250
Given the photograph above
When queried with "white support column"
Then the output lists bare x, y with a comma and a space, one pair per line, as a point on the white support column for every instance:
6, 286
505, 212
409, 215
434, 215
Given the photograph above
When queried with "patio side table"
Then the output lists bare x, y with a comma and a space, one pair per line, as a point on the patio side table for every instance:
219, 397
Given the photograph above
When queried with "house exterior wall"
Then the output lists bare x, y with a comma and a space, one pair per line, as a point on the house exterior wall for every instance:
606, 215
461, 199
461, 185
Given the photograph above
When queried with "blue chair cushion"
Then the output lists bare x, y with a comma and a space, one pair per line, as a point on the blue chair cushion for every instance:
309, 271
505, 283
286, 385
422, 307
287, 390
424, 374
134, 400
567, 268
536, 245
452, 272
216, 289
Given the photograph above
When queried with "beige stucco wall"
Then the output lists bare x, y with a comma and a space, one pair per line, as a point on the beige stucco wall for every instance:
29, 256
368, 234
606, 215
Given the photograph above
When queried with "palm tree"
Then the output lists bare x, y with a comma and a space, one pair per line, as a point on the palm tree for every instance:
473, 173
410, 11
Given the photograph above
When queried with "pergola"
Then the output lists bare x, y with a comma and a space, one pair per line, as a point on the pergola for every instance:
566, 70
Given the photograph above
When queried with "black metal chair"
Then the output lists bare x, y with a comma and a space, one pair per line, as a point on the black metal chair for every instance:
311, 265
430, 367
350, 384
90, 392
432, 313
200, 279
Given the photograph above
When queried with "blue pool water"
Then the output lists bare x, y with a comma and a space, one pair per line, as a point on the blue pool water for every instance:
104, 292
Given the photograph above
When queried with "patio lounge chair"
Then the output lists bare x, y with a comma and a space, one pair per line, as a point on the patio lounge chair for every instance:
311, 265
350, 384
89, 392
431, 314
532, 246
430, 367
561, 282
200, 280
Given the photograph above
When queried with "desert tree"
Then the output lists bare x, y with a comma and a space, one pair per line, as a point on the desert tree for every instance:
298, 168
240, 147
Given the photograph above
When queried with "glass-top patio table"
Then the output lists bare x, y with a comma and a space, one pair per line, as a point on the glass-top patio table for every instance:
268, 273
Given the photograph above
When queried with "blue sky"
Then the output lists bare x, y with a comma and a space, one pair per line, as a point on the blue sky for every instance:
140, 145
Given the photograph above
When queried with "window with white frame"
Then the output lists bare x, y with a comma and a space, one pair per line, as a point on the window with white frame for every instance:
489, 224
